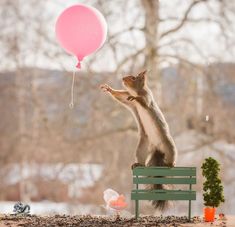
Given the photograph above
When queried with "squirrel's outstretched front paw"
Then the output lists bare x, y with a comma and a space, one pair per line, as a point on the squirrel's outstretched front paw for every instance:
105, 88
131, 98
136, 164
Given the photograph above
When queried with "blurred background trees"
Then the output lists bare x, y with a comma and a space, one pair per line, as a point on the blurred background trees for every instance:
186, 46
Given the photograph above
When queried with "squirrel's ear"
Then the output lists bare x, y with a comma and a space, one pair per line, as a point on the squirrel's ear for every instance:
142, 74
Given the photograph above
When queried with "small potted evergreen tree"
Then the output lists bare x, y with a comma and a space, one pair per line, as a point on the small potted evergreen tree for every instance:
212, 187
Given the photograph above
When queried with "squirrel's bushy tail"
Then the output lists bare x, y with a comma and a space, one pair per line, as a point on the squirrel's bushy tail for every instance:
160, 205
157, 159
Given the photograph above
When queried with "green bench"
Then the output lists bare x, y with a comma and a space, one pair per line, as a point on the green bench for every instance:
163, 175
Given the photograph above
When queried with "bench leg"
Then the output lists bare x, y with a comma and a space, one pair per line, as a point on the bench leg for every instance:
136, 209
189, 210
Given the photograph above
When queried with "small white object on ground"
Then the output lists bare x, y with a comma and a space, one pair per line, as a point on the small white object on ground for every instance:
115, 203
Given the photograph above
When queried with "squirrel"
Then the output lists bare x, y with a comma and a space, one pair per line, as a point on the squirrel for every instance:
156, 146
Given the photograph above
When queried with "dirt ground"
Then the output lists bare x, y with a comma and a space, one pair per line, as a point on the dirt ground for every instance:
92, 221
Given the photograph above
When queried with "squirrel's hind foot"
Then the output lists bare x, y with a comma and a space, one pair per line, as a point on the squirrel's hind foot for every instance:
136, 164
171, 164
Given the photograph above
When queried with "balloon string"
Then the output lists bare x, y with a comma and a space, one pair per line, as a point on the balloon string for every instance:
71, 105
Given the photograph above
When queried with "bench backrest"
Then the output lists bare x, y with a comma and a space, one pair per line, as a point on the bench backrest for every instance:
164, 175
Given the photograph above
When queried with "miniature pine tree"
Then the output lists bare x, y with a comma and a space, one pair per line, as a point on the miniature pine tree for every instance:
213, 190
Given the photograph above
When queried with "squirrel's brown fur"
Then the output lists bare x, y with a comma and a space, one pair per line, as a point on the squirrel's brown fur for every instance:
155, 146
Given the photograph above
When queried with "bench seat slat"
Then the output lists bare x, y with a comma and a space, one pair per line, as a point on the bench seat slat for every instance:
160, 190
163, 195
158, 180
164, 171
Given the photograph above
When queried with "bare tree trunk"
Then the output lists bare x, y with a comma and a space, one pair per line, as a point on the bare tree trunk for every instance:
199, 95
22, 131
20, 90
36, 111
151, 8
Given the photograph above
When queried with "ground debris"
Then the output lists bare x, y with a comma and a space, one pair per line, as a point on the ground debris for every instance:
91, 221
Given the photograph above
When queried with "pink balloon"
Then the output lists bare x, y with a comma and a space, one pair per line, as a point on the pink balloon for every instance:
81, 30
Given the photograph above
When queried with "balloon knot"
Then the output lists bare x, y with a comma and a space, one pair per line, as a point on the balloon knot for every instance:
78, 65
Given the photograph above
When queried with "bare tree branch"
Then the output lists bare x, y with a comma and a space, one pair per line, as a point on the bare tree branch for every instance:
184, 19
190, 20
183, 60
116, 35
184, 40
128, 58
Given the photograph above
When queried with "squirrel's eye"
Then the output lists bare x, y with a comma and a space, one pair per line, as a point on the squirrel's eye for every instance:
133, 78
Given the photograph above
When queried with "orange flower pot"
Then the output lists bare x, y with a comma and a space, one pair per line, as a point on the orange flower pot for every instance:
209, 214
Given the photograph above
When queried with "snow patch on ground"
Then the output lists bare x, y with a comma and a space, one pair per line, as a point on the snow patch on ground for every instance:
50, 208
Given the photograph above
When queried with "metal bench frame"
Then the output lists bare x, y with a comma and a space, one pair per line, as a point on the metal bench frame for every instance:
163, 175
